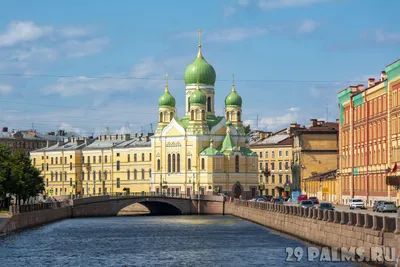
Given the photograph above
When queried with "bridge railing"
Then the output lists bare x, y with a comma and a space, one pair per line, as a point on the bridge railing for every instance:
135, 194
16, 209
375, 222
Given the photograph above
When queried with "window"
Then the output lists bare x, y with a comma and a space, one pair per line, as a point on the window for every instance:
169, 162
52, 176
99, 159
134, 157
260, 154
178, 163
192, 115
42, 166
105, 175
65, 160
149, 156
239, 116
209, 104
272, 166
94, 159
47, 182
83, 159
47, 166
118, 165
118, 183
173, 163
34, 161
142, 174
117, 154
129, 158
70, 166
128, 174
65, 176
52, 161
56, 160
88, 159
280, 178
135, 174
237, 163
287, 178
94, 175
70, 181
56, 176
149, 173
105, 159
70, 156
287, 153
203, 164
83, 176
261, 165
189, 164
286, 165
280, 153
142, 156
160, 119
158, 164
280, 165
273, 154
273, 178
88, 176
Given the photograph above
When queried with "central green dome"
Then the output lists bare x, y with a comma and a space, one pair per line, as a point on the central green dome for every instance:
233, 99
198, 98
166, 100
200, 71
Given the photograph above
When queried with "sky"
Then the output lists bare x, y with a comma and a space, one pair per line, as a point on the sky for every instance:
85, 66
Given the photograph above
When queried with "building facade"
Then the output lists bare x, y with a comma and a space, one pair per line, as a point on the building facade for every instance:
274, 152
315, 152
369, 138
200, 152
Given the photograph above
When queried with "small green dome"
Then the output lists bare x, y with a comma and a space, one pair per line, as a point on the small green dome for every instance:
166, 100
198, 98
228, 123
200, 71
233, 99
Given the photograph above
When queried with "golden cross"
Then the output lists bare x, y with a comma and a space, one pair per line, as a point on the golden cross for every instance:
199, 34
166, 78
233, 78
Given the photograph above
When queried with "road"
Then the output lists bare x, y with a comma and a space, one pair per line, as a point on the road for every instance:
346, 208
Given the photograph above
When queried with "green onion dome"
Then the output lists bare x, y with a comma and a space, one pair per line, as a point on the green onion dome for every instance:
198, 97
166, 100
200, 71
233, 99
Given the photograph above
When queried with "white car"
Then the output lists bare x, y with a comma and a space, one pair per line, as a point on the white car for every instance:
357, 204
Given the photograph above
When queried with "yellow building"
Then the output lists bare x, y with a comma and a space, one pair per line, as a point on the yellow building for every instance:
274, 152
200, 152
315, 152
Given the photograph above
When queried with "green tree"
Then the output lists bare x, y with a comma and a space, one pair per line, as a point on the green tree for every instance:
247, 129
5, 173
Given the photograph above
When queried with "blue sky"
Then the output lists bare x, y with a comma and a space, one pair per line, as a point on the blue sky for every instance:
290, 58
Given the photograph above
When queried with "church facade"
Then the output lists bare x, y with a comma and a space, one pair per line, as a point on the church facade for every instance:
200, 152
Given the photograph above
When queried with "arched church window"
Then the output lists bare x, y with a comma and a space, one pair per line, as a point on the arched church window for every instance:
178, 163
227, 116
237, 163
209, 104
239, 116
171, 116
203, 165
189, 164
160, 120
203, 115
158, 165
169, 162
192, 115
173, 163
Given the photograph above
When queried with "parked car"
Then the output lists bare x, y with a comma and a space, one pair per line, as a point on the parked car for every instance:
277, 200
268, 198
301, 198
376, 204
326, 206
386, 206
260, 199
357, 204
314, 200
306, 204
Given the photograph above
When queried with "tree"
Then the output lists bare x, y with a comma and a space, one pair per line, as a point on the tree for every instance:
247, 129
5, 172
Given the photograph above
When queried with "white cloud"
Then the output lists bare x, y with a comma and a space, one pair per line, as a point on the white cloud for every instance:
72, 31
276, 4
22, 31
34, 54
382, 36
70, 129
77, 48
5, 89
243, 2
273, 123
234, 34
307, 26
293, 109
137, 78
228, 11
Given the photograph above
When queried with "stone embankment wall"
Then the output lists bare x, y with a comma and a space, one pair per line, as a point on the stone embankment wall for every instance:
25, 220
325, 228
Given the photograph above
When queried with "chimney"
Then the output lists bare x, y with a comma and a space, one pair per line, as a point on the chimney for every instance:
371, 82
140, 138
5, 129
147, 138
383, 76
136, 135
360, 87
127, 137
313, 122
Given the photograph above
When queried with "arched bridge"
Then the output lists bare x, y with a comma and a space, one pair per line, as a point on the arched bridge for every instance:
157, 204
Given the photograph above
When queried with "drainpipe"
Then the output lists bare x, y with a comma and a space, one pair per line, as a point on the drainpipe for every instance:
367, 183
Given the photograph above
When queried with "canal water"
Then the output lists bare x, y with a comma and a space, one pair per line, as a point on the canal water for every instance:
151, 241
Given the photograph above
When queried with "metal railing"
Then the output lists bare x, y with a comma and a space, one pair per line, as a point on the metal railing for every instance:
137, 194
15, 209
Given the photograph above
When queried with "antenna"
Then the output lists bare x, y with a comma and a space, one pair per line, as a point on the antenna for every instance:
257, 122
108, 130
151, 127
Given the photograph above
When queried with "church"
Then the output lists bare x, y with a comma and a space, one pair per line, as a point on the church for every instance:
202, 151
